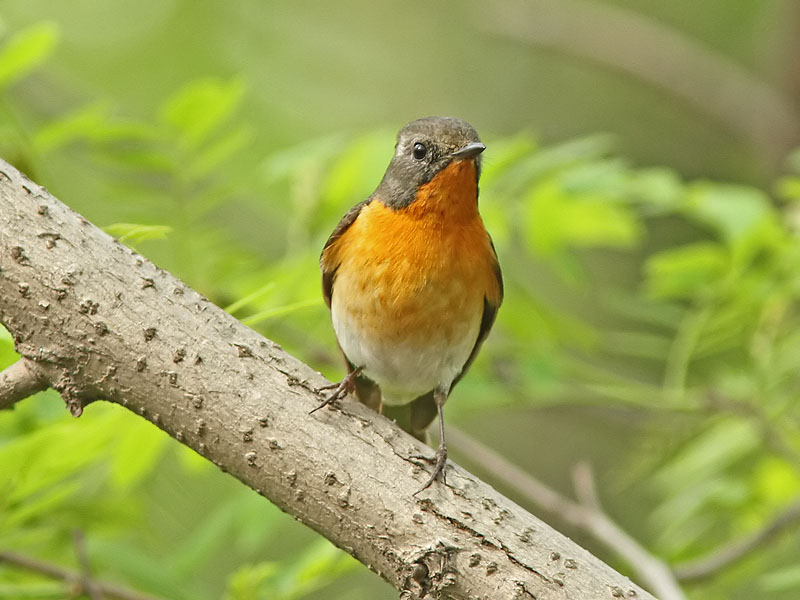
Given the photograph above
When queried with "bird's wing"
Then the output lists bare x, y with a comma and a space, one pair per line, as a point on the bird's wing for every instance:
329, 260
366, 390
491, 303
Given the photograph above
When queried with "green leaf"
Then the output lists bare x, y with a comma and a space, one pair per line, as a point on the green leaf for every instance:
40, 468
685, 271
637, 343
556, 219
697, 478
216, 153
518, 174
659, 188
35, 590
92, 123
134, 233
788, 188
781, 580
26, 50
321, 564
356, 168
258, 294
503, 155
733, 210
139, 446
776, 481
201, 107
607, 177
7, 353
287, 162
248, 582
280, 311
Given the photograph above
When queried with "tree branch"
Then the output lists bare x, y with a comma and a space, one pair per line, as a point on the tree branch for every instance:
587, 515
717, 560
93, 590
658, 55
71, 577
19, 381
100, 321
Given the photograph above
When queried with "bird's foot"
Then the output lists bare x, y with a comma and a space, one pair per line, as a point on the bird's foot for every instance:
439, 462
340, 390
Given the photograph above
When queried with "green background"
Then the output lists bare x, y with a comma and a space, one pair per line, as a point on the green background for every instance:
639, 184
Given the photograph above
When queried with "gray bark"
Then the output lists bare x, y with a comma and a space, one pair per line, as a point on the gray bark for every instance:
95, 320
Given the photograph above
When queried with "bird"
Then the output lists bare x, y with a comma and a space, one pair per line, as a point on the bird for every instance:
412, 280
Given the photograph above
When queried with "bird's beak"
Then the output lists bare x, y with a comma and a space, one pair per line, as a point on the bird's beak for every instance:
470, 150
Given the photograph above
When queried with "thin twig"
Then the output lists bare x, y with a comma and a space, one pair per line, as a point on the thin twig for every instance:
18, 381
717, 560
71, 577
650, 571
584, 485
92, 590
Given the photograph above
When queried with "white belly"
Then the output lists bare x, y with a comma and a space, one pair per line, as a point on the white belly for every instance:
404, 366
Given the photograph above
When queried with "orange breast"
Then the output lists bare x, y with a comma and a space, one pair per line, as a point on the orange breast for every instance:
420, 272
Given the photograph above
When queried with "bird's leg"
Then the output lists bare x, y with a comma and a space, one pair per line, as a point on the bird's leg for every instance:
440, 460
340, 390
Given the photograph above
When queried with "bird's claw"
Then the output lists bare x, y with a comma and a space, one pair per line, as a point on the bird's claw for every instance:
340, 390
439, 462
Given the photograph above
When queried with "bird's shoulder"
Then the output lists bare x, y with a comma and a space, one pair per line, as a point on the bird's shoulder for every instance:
328, 260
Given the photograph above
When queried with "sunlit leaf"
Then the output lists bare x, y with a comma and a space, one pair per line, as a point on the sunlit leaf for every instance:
201, 107
280, 311
788, 187
557, 219
781, 580
659, 188
685, 270
139, 445
320, 564
734, 211
134, 233
501, 155
355, 171
255, 295
217, 152
26, 50
287, 161
248, 582
776, 481
92, 123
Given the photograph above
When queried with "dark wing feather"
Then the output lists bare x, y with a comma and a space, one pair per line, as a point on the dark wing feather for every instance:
490, 307
366, 391
329, 270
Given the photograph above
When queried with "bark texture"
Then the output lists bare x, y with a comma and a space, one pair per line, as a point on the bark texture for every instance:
95, 320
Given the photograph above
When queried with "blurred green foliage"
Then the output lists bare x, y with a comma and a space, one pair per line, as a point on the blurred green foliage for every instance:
655, 318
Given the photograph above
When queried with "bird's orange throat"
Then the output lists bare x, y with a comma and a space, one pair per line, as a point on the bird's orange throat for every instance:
439, 236
451, 196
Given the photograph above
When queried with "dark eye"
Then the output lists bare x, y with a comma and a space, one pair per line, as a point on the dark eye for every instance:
419, 151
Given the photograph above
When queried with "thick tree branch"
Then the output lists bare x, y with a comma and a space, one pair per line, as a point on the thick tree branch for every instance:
587, 515
100, 321
80, 582
19, 381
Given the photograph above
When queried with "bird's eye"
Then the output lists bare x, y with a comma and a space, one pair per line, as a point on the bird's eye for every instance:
419, 151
